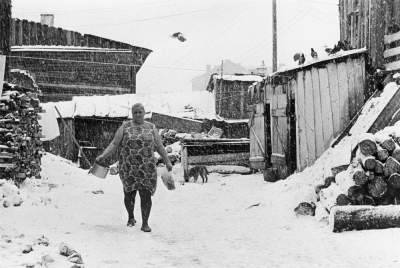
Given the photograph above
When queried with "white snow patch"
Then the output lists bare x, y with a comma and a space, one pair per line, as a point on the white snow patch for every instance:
373, 108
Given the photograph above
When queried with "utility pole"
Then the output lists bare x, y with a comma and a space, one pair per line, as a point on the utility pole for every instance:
274, 39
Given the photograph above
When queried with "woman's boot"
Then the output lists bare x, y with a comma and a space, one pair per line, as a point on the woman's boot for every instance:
145, 204
129, 200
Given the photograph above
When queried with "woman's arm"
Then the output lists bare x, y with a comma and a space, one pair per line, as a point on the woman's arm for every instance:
112, 147
161, 150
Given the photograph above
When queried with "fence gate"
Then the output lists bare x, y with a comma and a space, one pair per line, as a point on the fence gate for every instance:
257, 137
279, 129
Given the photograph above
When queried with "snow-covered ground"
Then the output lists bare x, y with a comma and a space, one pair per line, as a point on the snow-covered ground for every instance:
233, 221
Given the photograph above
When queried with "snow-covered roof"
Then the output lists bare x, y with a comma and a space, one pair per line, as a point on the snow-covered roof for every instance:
192, 105
244, 78
320, 59
65, 49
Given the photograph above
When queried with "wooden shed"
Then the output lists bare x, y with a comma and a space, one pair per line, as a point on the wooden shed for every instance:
374, 24
301, 110
232, 99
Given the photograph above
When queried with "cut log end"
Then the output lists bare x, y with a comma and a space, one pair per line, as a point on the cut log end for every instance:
394, 180
377, 188
368, 147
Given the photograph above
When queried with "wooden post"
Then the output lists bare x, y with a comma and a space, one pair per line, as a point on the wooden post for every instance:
5, 29
274, 38
185, 164
2, 72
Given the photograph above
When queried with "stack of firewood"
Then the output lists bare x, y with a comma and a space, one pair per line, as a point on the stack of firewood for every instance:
372, 178
20, 133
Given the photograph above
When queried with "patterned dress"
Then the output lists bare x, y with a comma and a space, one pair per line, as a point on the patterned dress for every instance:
137, 164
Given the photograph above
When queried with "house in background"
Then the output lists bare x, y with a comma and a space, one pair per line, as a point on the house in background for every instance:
66, 63
261, 70
200, 83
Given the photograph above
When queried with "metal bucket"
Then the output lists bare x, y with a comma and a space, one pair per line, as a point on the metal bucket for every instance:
99, 170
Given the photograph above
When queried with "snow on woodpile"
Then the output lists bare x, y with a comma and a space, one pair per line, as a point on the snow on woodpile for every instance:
191, 105
373, 108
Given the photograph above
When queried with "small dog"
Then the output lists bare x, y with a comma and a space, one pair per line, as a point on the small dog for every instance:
197, 171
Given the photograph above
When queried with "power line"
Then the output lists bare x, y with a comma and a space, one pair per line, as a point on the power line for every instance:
109, 9
148, 19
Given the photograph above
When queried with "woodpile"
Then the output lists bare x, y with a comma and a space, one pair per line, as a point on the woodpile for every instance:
20, 133
373, 177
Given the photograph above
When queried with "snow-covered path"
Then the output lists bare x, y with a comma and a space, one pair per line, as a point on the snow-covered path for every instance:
196, 225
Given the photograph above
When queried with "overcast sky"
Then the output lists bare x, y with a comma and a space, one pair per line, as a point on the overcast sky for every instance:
240, 30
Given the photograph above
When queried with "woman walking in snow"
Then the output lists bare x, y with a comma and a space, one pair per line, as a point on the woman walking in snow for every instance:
135, 142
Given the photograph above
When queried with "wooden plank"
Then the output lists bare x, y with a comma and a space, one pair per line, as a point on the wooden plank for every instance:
343, 95
352, 93
334, 92
274, 103
185, 164
231, 158
279, 112
302, 143
7, 165
391, 38
359, 83
358, 20
279, 126
385, 115
309, 116
293, 85
367, 22
278, 159
341, 21
283, 124
391, 66
319, 133
327, 121
2, 71
391, 52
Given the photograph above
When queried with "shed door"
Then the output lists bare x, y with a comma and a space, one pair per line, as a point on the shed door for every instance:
257, 137
279, 126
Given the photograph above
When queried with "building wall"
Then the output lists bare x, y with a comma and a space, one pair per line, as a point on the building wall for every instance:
5, 19
60, 59
311, 106
232, 99
365, 23
63, 74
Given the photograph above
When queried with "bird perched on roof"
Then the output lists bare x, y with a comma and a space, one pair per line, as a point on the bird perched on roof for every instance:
314, 54
179, 36
299, 57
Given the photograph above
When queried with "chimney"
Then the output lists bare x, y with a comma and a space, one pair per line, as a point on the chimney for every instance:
47, 19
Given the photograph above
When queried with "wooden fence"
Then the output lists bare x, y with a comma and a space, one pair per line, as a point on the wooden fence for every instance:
326, 100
